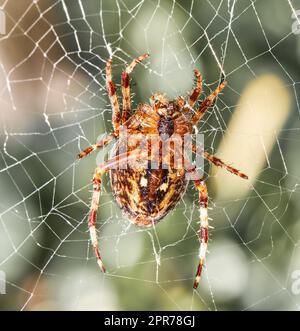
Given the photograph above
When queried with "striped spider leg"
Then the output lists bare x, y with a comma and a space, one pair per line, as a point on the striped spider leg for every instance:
99, 171
116, 116
217, 162
200, 183
203, 199
126, 86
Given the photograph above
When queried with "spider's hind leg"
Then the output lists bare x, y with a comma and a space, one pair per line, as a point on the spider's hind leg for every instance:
114, 162
100, 144
93, 214
218, 162
203, 233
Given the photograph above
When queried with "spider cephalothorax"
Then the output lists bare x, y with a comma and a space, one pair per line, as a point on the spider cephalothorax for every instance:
146, 178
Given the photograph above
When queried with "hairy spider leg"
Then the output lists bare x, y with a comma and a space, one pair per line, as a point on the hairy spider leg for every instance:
116, 116
208, 102
200, 185
115, 104
197, 90
203, 234
130, 127
126, 87
99, 171
203, 199
93, 214
100, 144
218, 162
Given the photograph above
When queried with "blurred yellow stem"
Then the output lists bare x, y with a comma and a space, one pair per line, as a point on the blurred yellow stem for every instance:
252, 132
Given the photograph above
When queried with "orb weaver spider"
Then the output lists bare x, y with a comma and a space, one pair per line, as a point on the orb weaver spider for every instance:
147, 195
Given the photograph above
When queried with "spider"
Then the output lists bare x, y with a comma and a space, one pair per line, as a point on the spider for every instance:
144, 194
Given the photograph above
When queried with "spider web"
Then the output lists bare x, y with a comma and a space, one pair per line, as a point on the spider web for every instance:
54, 105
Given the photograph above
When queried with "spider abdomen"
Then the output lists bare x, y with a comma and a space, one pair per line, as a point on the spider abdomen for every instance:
146, 196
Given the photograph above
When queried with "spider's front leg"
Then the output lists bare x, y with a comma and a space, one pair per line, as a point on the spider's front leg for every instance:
197, 90
194, 95
126, 87
208, 102
116, 117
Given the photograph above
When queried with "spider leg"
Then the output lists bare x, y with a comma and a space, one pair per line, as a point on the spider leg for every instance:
116, 117
100, 144
218, 162
126, 86
208, 102
93, 214
203, 235
197, 90
100, 170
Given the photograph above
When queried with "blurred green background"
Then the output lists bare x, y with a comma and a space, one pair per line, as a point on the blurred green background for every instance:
54, 104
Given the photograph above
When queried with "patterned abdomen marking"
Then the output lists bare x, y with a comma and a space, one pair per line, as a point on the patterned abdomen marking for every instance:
147, 195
